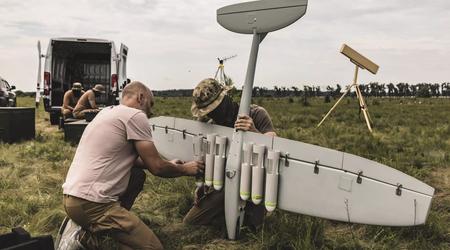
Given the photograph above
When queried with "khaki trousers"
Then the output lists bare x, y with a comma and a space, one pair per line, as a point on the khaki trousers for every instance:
110, 218
82, 113
209, 210
114, 218
66, 113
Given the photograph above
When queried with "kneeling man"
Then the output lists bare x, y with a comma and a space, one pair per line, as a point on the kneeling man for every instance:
118, 139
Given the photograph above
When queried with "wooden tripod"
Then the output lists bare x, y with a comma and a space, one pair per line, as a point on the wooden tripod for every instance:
362, 103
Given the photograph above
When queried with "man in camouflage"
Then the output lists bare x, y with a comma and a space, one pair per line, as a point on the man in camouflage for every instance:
212, 103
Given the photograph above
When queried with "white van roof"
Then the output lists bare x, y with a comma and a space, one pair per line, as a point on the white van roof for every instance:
81, 39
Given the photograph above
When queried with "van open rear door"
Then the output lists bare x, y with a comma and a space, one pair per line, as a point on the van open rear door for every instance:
39, 79
122, 70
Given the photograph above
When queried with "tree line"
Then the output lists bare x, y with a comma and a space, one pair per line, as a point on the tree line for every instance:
374, 89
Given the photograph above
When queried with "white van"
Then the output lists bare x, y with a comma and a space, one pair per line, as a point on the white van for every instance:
85, 60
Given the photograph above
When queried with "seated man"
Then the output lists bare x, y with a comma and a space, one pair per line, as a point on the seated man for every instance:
70, 100
87, 101
210, 101
118, 138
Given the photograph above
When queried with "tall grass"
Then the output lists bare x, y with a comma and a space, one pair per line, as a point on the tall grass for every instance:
412, 135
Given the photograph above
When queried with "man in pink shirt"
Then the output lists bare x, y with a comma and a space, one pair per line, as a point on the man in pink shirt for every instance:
98, 180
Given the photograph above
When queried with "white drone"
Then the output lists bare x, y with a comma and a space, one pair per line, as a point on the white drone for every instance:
286, 174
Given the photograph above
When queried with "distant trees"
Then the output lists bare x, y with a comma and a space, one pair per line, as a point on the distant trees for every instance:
295, 90
405, 90
392, 90
445, 89
374, 89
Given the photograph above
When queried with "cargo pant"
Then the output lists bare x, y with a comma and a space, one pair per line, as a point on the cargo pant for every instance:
209, 207
113, 218
81, 114
66, 113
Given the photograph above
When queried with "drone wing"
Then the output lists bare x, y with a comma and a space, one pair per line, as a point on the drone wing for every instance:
314, 180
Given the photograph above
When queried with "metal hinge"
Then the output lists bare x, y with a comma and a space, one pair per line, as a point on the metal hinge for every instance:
316, 167
359, 179
398, 191
286, 159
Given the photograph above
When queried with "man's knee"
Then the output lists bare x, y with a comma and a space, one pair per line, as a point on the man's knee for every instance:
196, 220
78, 115
209, 210
139, 237
189, 219
66, 112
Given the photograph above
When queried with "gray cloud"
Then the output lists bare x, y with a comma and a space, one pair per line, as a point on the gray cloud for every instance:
27, 28
174, 43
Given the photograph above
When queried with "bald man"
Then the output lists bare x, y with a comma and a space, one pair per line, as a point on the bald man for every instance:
99, 176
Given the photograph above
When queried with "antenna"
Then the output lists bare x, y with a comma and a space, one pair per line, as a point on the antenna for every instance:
220, 75
362, 62
226, 58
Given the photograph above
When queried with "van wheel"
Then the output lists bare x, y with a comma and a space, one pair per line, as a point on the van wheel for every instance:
54, 118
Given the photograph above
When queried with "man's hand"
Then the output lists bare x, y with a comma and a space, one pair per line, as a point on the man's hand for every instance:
176, 161
194, 168
150, 159
245, 123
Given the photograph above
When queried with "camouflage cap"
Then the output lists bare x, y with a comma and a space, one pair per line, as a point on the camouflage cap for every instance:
77, 86
99, 88
207, 95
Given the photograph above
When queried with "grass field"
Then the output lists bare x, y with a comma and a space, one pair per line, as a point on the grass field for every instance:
411, 135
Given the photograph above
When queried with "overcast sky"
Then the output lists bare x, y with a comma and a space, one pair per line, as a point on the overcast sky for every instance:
175, 43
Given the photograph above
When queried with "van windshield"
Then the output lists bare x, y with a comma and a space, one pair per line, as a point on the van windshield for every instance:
85, 62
